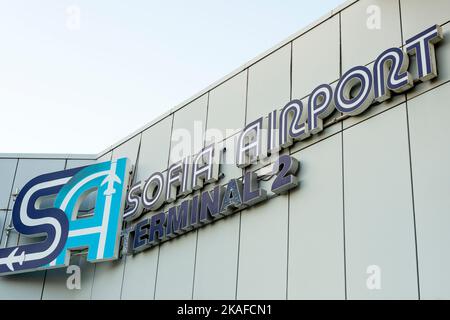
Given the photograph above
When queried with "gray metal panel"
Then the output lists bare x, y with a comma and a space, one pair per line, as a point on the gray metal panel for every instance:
362, 40
176, 267
379, 220
5, 217
105, 157
154, 151
375, 108
7, 170
107, 283
226, 110
228, 166
25, 286
264, 164
216, 263
188, 130
310, 70
28, 169
269, 83
430, 155
316, 236
129, 149
55, 286
417, 15
263, 251
140, 275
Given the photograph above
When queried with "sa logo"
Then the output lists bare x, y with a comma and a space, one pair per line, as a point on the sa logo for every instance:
63, 232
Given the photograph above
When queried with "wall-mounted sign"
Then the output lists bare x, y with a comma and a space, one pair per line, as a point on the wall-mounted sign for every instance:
204, 206
358, 88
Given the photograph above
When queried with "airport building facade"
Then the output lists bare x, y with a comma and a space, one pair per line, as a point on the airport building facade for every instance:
353, 107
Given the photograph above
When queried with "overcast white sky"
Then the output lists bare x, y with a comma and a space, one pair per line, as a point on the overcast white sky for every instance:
68, 87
